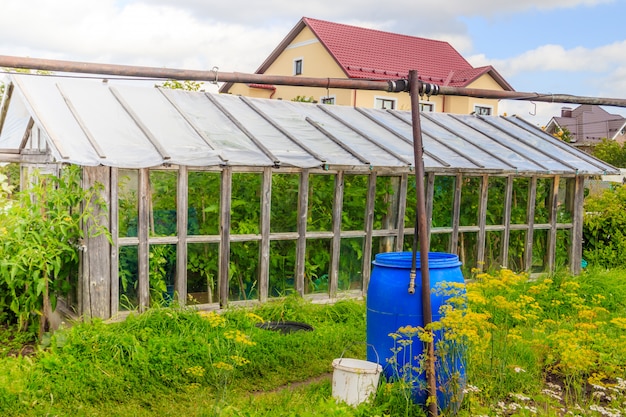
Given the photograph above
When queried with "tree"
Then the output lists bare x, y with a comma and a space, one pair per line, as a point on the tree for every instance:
611, 152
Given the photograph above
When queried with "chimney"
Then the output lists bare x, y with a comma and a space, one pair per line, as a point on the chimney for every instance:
566, 112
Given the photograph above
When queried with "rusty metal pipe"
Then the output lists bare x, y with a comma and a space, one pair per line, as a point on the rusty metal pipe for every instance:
397, 85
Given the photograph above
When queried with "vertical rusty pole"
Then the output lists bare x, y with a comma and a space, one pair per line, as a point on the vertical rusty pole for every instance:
422, 232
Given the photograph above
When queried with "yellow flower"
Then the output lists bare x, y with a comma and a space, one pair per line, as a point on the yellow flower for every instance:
214, 319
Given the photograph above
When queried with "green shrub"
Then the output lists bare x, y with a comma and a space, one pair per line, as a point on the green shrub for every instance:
604, 228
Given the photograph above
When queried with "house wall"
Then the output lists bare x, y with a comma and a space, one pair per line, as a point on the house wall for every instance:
317, 62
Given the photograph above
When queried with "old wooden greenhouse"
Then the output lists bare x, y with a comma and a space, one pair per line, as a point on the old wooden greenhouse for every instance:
215, 199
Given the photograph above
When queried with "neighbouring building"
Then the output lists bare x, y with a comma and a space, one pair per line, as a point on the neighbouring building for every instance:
588, 125
317, 48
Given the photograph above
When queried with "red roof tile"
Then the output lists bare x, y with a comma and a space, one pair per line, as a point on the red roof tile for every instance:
368, 53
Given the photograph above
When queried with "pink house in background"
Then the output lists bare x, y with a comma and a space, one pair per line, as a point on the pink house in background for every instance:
589, 124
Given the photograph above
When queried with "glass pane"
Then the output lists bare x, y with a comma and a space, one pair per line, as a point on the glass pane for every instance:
163, 193
243, 282
493, 250
519, 203
540, 250
386, 204
563, 243
542, 204
128, 184
162, 264
439, 242
467, 251
411, 203
321, 198
317, 265
202, 273
129, 273
204, 203
470, 199
443, 201
564, 215
351, 264
495, 200
517, 245
246, 203
282, 268
354, 202
284, 216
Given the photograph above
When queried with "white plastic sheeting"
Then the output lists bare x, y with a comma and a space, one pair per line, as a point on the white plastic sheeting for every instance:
91, 122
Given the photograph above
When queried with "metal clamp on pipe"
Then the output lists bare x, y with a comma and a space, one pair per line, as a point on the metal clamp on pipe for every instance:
412, 282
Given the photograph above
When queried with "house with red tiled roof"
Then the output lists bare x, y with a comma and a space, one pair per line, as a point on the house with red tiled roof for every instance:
588, 125
317, 48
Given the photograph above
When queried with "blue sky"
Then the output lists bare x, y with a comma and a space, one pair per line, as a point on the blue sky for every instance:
549, 46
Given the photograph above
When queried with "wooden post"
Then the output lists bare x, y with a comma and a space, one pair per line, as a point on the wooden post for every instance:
97, 266
554, 207
482, 223
115, 254
336, 243
264, 248
303, 206
530, 223
402, 191
182, 219
369, 226
456, 213
143, 251
430, 194
506, 235
576, 189
224, 260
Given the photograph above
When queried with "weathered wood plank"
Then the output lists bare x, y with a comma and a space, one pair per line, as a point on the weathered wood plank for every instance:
576, 208
97, 271
303, 206
143, 250
530, 222
402, 194
554, 207
369, 226
506, 235
336, 241
224, 260
264, 249
182, 214
115, 255
430, 193
482, 222
456, 214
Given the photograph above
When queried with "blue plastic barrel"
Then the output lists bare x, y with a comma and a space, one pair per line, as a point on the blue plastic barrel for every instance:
390, 308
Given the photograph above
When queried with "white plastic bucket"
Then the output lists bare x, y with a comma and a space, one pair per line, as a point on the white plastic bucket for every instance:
354, 380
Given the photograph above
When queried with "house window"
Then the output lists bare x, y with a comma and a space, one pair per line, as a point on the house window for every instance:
297, 66
427, 107
483, 110
385, 103
327, 100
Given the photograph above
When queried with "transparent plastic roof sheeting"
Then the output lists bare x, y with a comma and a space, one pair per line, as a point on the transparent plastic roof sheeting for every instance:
130, 125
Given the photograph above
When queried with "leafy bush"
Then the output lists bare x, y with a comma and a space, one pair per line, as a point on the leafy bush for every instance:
604, 228
41, 234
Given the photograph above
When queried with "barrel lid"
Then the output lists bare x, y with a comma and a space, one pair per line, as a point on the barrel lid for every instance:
404, 260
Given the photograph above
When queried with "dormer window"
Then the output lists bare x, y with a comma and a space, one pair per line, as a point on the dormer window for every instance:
483, 110
297, 66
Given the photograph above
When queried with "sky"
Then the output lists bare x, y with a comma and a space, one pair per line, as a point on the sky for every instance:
573, 47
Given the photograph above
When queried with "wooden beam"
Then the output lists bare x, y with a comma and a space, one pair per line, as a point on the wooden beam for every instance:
336, 241
506, 234
456, 213
530, 222
224, 260
430, 195
402, 193
576, 208
143, 233
182, 219
264, 248
552, 235
369, 226
115, 252
482, 222
303, 205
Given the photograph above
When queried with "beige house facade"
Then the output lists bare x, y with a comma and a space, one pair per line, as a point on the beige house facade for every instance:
314, 49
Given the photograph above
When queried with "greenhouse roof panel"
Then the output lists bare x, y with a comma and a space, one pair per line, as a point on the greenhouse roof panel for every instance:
129, 125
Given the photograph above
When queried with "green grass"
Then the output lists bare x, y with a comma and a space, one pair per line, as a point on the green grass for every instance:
534, 347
